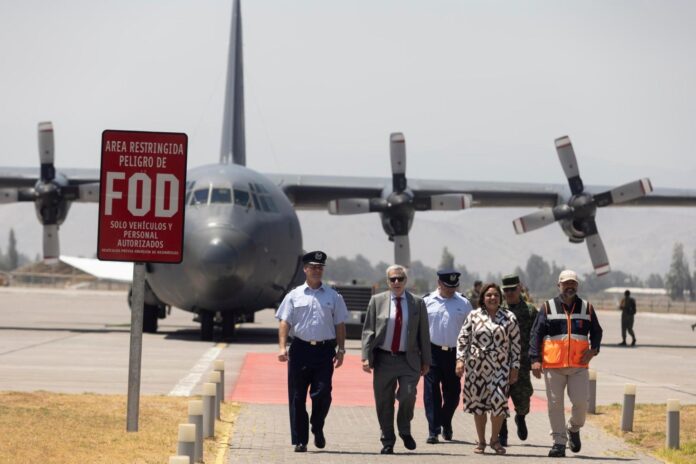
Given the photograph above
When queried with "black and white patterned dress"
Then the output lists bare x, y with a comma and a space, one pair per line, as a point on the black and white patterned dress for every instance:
489, 347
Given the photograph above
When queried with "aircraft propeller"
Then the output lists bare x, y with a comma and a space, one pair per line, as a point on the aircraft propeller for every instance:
52, 194
577, 217
398, 204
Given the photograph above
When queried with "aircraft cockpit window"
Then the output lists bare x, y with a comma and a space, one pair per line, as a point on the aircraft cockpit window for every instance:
220, 195
260, 188
256, 202
264, 205
188, 197
271, 205
200, 197
241, 197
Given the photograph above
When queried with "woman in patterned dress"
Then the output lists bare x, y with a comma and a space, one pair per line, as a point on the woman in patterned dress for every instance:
488, 355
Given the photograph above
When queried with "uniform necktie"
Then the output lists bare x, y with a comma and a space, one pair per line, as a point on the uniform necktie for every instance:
396, 339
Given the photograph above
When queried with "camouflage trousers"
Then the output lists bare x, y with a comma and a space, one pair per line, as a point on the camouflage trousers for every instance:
521, 391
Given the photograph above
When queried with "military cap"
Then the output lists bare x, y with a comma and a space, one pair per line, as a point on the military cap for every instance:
314, 257
510, 281
449, 277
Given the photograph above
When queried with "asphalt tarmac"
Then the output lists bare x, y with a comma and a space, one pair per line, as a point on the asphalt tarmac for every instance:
78, 341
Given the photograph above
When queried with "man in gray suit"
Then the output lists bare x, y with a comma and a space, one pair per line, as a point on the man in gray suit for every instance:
396, 344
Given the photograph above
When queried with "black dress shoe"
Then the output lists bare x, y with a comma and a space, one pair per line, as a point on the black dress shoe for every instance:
387, 449
319, 439
557, 451
574, 441
447, 434
409, 442
432, 440
300, 448
633, 343
522, 431
503, 434
623, 343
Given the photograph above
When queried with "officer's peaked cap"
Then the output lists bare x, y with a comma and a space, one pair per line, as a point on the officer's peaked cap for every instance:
449, 277
314, 257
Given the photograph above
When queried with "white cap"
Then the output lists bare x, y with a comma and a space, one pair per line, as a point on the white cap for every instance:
567, 275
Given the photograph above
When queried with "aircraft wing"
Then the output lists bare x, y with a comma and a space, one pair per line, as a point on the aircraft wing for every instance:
27, 177
314, 192
117, 271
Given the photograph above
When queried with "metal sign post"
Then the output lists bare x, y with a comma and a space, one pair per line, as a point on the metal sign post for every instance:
136, 347
141, 219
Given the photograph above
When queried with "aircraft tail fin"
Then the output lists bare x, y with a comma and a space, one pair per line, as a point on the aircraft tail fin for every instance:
233, 147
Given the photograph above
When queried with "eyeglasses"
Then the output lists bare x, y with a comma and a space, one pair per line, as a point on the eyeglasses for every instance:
509, 290
397, 279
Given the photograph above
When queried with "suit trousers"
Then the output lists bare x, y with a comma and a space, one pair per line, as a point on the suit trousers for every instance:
309, 367
577, 381
394, 378
441, 388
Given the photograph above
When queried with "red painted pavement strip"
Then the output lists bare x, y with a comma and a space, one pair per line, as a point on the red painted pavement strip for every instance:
263, 380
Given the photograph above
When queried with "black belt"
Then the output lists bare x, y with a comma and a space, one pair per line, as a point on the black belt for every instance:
315, 342
391, 353
444, 348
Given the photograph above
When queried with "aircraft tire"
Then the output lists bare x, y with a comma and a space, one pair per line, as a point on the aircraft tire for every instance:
207, 326
150, 318
228, 325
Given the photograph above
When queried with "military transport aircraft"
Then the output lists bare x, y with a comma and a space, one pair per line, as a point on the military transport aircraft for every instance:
242, 237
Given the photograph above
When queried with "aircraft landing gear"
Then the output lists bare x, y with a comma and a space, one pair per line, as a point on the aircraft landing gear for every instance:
207, 325
150, 315
228, 325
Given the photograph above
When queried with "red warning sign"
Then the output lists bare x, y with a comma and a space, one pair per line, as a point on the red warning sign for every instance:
141, 201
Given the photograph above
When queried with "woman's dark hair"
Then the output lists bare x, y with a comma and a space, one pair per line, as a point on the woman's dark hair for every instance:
485, 289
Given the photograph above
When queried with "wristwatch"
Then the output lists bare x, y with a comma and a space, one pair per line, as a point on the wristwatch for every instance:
341, 350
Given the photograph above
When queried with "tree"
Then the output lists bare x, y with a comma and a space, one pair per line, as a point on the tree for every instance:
655, 281
537, 273
12, 254
447, 260
678, 281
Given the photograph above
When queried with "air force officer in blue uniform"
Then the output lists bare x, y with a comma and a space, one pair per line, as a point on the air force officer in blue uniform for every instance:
447, 311
314, 315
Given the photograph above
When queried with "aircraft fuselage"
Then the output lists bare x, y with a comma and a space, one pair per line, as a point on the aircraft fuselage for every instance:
242, 244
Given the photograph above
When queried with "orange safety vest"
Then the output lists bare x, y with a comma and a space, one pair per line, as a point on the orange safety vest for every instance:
568, 336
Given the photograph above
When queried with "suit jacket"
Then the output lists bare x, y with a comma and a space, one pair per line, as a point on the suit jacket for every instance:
417, 332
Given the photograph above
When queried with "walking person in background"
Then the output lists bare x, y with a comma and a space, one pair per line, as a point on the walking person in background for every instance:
488, 355
396, 344
315, 315
565, 337
522, 390
628, 313
447, 311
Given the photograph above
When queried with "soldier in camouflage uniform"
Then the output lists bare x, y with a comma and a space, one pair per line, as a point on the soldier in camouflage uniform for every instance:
474, 294
522, 390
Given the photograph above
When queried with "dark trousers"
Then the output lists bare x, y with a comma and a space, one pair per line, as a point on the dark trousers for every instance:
441, 388
627, 325
309, 368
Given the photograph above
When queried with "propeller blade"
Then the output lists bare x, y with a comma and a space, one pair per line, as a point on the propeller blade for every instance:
46, 153
51, 245
450, 202
349, 206
397, 152
566, 155
541, 218
83, 193
9, 195
598, 255
624, 193
402, 250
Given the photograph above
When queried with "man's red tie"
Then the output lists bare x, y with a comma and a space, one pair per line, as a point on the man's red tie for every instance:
396, 339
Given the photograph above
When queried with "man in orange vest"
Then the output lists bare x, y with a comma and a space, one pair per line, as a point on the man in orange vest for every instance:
565, 336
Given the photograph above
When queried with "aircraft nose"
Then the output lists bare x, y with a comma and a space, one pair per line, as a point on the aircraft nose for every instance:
225, 253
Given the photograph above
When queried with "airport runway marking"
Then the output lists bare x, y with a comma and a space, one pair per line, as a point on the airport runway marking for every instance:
189, 382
